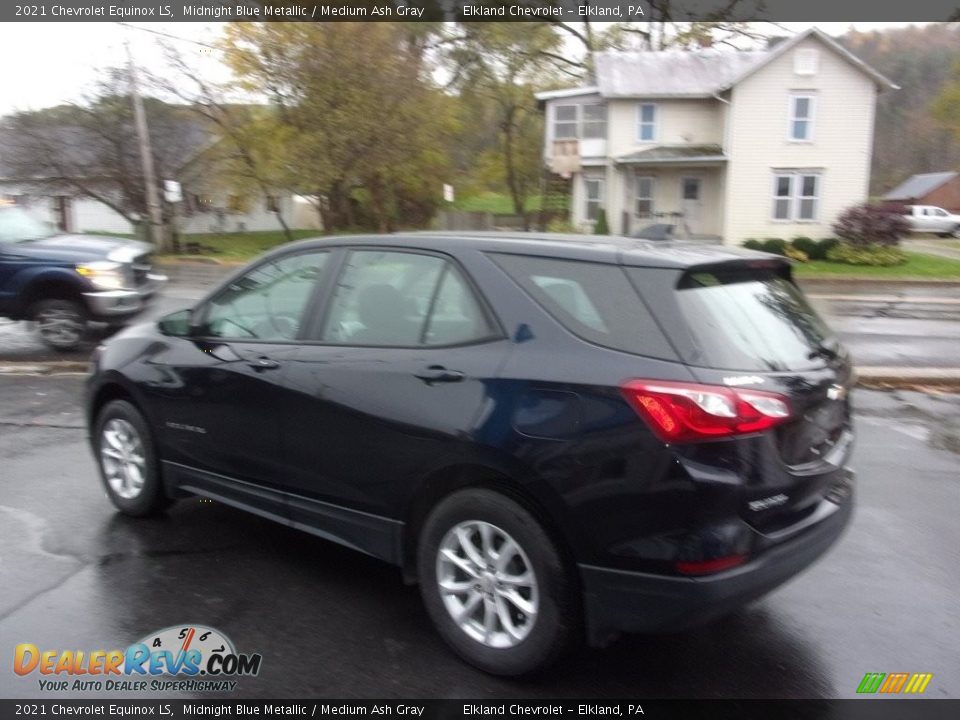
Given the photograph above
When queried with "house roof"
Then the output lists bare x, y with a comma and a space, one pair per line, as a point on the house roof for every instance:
694, 74
919, 185
781, 48
671, 73
674, 154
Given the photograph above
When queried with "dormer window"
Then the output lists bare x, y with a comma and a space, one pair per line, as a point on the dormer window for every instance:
806, 61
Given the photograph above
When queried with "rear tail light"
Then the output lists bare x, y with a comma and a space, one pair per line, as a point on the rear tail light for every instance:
686, 412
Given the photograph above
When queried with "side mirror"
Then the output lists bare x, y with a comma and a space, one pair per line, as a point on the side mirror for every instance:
178, 324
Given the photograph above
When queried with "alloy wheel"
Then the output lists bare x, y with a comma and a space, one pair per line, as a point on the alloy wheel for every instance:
122, 458
487, 584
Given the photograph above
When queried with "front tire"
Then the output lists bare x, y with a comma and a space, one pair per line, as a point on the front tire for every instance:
127, 460
60, 322
495, 585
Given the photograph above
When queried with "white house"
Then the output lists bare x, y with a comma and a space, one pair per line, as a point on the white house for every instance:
724, 145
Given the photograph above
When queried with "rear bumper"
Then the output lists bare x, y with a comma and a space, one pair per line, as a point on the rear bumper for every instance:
617, 600
110, 305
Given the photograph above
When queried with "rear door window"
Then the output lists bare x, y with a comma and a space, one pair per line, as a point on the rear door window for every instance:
594, 301
749, 319
403, 299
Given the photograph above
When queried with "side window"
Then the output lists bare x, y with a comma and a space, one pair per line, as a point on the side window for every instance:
456, 316
594, 301
268, 302
382, 298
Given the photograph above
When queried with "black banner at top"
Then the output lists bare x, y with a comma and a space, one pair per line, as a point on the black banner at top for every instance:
482, 10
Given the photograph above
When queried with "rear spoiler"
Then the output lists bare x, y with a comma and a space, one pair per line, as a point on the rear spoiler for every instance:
772, 263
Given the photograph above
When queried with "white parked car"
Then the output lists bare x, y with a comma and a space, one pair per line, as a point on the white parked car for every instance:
930, 219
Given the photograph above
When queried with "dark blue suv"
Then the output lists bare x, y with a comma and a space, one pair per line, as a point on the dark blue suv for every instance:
62, 281
557, 437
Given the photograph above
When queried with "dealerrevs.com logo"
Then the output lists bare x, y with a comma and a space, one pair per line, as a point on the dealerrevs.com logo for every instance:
184, 658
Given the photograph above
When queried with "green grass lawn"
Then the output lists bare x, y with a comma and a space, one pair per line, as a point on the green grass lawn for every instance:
918, 266
239, 247
493, 202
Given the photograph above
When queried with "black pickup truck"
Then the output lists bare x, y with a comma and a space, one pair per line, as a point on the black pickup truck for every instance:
62, 281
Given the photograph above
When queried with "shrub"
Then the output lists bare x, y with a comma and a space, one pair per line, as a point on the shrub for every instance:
824, 247
560, 225
869, 255
601, 227
777, 246
805, 245
795, 253
869, 226
752, 244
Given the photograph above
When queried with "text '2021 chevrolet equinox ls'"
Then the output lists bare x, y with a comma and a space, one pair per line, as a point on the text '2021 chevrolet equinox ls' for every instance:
556, 436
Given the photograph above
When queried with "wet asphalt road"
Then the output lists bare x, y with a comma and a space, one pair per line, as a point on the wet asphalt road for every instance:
883, 324
330, 622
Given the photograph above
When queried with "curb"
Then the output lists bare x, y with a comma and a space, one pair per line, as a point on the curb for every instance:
885, 378
58, 367
862, 280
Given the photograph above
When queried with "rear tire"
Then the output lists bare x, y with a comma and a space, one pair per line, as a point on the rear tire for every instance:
61, 323
127, 460
955, 233
486, 560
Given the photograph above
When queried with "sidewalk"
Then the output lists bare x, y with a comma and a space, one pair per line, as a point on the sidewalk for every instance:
933, 247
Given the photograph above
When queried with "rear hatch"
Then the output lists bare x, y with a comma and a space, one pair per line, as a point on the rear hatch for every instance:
745, 324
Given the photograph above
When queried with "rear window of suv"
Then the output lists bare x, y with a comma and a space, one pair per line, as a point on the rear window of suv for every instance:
594, 301
749, 319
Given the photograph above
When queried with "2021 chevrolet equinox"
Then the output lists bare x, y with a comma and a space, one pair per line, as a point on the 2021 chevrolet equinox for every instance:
556, 436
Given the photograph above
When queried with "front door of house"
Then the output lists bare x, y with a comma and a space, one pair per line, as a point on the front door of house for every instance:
691, 203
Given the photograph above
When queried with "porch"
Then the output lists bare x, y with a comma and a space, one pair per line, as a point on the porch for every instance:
683, 187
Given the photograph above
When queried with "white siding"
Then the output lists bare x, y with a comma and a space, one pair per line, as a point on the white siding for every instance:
758, 143
92, 216
679, 122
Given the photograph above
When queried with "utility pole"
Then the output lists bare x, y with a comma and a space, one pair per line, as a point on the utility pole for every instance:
146, 158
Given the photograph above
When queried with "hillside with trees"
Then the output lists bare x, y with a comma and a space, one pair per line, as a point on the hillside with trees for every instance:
909, 138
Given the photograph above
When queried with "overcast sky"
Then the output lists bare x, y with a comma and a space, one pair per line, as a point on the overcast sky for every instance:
48, 63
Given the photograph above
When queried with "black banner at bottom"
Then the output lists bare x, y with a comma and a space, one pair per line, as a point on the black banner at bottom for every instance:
859, 709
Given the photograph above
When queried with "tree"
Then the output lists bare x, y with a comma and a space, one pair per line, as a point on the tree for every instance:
503, 64
90, 148
946, 107
363, 127
251, 152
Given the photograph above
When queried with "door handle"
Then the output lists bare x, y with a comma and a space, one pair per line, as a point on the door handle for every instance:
263, 363
439, 374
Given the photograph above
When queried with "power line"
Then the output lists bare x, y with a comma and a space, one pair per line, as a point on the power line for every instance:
167, 35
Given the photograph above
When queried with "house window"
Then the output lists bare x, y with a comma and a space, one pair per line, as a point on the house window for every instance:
595, 121
647, 122
644, 197
272, 204
796, 196
565, 122
806, 61
580, 121
801, 118
594, 197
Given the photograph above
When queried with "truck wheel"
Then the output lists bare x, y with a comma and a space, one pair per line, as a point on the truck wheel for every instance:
60, 322
495, 584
